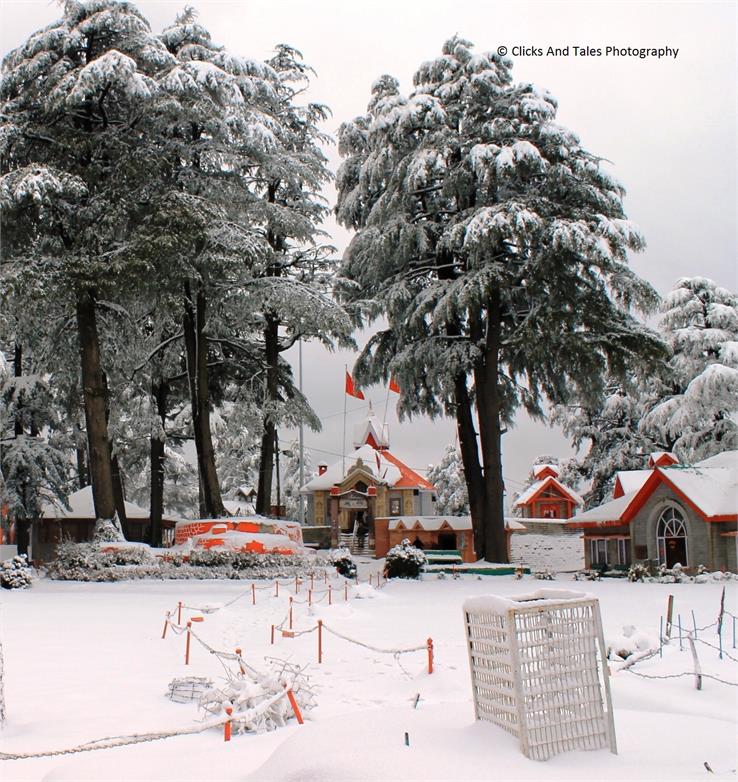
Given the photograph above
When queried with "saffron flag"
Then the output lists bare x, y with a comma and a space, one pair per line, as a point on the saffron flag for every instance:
351, 388
393, 385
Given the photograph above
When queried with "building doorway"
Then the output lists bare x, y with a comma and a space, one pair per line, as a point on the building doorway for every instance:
447, 541
671, 538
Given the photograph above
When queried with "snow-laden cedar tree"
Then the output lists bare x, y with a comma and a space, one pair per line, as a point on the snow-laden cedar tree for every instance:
496, 248
692, 406
447, 476
75, 98
609, 427
33, 464
285, 295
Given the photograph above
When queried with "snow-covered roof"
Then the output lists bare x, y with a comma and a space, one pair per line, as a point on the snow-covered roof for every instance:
609, 511
82, 507
434, 523
539, 486
712, 490
372, 431
382, 466
632, 480
661, 459
539, 468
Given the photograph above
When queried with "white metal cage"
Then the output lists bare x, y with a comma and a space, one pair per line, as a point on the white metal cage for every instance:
539, 670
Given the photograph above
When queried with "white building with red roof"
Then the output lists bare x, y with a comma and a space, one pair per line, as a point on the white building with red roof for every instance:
369, 483
547, 497
667, 514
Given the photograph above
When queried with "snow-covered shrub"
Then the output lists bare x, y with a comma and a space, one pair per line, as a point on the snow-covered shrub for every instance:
108, 531
16, 573
629, 642
404, 561
126, 555
542, 575
638, 572
588, 575
342, 560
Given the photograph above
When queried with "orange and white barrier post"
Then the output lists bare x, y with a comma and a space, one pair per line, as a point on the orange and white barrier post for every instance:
276, 588
240, 663
295, 707
297, 584
179, 613
430, 655
227, 725
189, 630
330, 595
166, 624
325, 576
290, 613
310, 597
253, 594
320, 640
272, 635
345, 592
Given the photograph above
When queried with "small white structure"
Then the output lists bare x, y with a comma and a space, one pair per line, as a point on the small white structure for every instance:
535, 671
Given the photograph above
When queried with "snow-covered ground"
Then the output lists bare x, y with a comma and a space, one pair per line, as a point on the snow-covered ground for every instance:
86, 661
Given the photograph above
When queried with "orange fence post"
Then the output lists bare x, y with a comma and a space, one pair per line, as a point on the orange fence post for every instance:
330, 595
187, 644
253, 594
295, 707
430, 655
240, 664
166, 624
276, 588
272, 635
227, 725
290, 613
320, 640
297, 584
179, 613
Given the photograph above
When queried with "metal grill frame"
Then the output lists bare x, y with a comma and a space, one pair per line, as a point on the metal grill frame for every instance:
535, 673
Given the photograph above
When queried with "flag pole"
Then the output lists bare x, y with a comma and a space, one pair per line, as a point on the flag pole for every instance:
386, 405
343, 449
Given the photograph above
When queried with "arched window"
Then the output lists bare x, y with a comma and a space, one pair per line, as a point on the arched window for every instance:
671, 537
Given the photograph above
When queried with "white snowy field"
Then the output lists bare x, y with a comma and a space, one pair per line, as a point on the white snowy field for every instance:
85, 661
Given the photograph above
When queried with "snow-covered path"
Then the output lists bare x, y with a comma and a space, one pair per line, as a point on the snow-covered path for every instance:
83, 661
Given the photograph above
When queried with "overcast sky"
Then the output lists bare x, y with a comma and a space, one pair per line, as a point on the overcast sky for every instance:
667, 125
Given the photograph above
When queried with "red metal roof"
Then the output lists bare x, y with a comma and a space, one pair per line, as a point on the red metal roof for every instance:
409, 479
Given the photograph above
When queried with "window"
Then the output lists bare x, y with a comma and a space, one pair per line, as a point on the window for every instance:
598, 551
671, 537
395, 506
623, 552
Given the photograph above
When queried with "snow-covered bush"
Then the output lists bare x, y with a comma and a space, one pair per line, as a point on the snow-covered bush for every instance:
588, 575
404, 561
16, 573
630, 641
87, 562
107, 531
342, 560
638, 572
543, 575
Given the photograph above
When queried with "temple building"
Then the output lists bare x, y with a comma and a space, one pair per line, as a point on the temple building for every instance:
369, 483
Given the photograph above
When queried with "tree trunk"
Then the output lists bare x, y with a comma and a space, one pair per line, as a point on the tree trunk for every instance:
470, 460
95, 397
160, 392
266, 455
18, 372
119, 497
489, 411
197, 376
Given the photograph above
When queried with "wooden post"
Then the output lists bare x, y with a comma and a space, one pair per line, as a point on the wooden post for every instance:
330, 598
166, 624
290, 613
272, 635
310, 597
276, 588
320, 640
187, 644
669, 613
430, 655
345, 592
697, 669
253, 594
325, 576
179, 613
227, 725
312, 581
297, 584
295, 707
679, 621
370, 579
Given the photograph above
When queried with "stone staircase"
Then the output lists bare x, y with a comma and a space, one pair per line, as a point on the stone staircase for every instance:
350, 542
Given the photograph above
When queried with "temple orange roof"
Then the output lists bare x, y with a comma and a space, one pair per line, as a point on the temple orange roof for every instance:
409, 477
